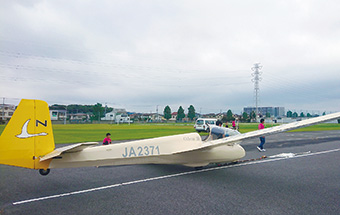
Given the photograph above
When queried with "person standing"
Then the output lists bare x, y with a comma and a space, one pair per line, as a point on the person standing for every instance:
262, 139
107, 139
234, 124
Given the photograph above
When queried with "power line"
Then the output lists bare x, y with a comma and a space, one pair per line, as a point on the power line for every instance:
123, 66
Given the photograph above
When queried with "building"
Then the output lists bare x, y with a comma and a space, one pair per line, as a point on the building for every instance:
273, 111
79, 117
117, 115
111, 116
122, 118
279, 111
6, 111
173, 117
57, 114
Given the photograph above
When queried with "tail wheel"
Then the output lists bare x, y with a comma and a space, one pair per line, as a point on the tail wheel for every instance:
44, 171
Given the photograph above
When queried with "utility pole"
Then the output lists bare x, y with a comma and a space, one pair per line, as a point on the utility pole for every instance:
256, 79
157, 113
3, 108
65, 115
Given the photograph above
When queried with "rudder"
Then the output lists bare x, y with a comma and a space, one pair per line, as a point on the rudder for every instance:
27, 136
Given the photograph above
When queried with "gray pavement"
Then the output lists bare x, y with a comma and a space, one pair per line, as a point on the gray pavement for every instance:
300, 185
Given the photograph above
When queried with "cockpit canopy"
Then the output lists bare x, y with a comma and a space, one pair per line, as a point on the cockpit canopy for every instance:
217, 132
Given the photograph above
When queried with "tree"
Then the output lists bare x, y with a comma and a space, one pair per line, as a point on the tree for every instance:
302, 114
224, 118
295, 115
98, 111
245, 117
180, 113
230, 116
289, 113
74, 108
309, 115
324, 113
191, 112
57, 107
167, 112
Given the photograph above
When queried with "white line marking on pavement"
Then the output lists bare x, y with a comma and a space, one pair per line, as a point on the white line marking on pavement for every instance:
167, 176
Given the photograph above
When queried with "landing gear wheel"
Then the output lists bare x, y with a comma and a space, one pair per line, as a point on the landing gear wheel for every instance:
44, 172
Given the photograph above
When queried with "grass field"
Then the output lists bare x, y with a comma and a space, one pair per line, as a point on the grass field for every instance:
96, 132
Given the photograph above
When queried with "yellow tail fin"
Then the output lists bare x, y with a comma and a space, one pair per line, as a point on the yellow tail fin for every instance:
27, 136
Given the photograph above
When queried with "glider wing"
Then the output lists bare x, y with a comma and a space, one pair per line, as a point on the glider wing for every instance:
267, 131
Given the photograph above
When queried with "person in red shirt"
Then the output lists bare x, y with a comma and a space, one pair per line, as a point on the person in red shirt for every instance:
234, 124
107, 139
262, 139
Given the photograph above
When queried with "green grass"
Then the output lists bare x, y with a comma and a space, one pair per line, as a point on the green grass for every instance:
71, 133
246, 127
96, 132
320, 127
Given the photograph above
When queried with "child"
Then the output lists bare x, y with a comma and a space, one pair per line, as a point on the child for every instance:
234, 124
107, 139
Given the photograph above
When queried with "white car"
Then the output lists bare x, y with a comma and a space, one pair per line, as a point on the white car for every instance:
202, 124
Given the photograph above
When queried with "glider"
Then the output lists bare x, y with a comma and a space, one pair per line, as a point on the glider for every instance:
28, 142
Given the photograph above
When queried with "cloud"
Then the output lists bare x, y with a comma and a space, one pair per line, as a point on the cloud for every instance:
143, 54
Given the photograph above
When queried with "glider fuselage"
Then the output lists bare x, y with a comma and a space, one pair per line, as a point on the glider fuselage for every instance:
177, 149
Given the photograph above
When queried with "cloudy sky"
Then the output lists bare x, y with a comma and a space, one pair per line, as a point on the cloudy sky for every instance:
144, 54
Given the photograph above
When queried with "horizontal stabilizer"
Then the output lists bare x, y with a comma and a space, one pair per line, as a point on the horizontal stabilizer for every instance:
68, 149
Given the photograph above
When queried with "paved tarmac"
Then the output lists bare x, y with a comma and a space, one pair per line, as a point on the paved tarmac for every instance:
304, 184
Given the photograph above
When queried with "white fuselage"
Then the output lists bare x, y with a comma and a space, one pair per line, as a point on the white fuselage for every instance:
185, 149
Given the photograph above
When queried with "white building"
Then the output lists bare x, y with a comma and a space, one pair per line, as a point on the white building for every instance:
57, 114
109, 116
6, 111
122, 118
117, 116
